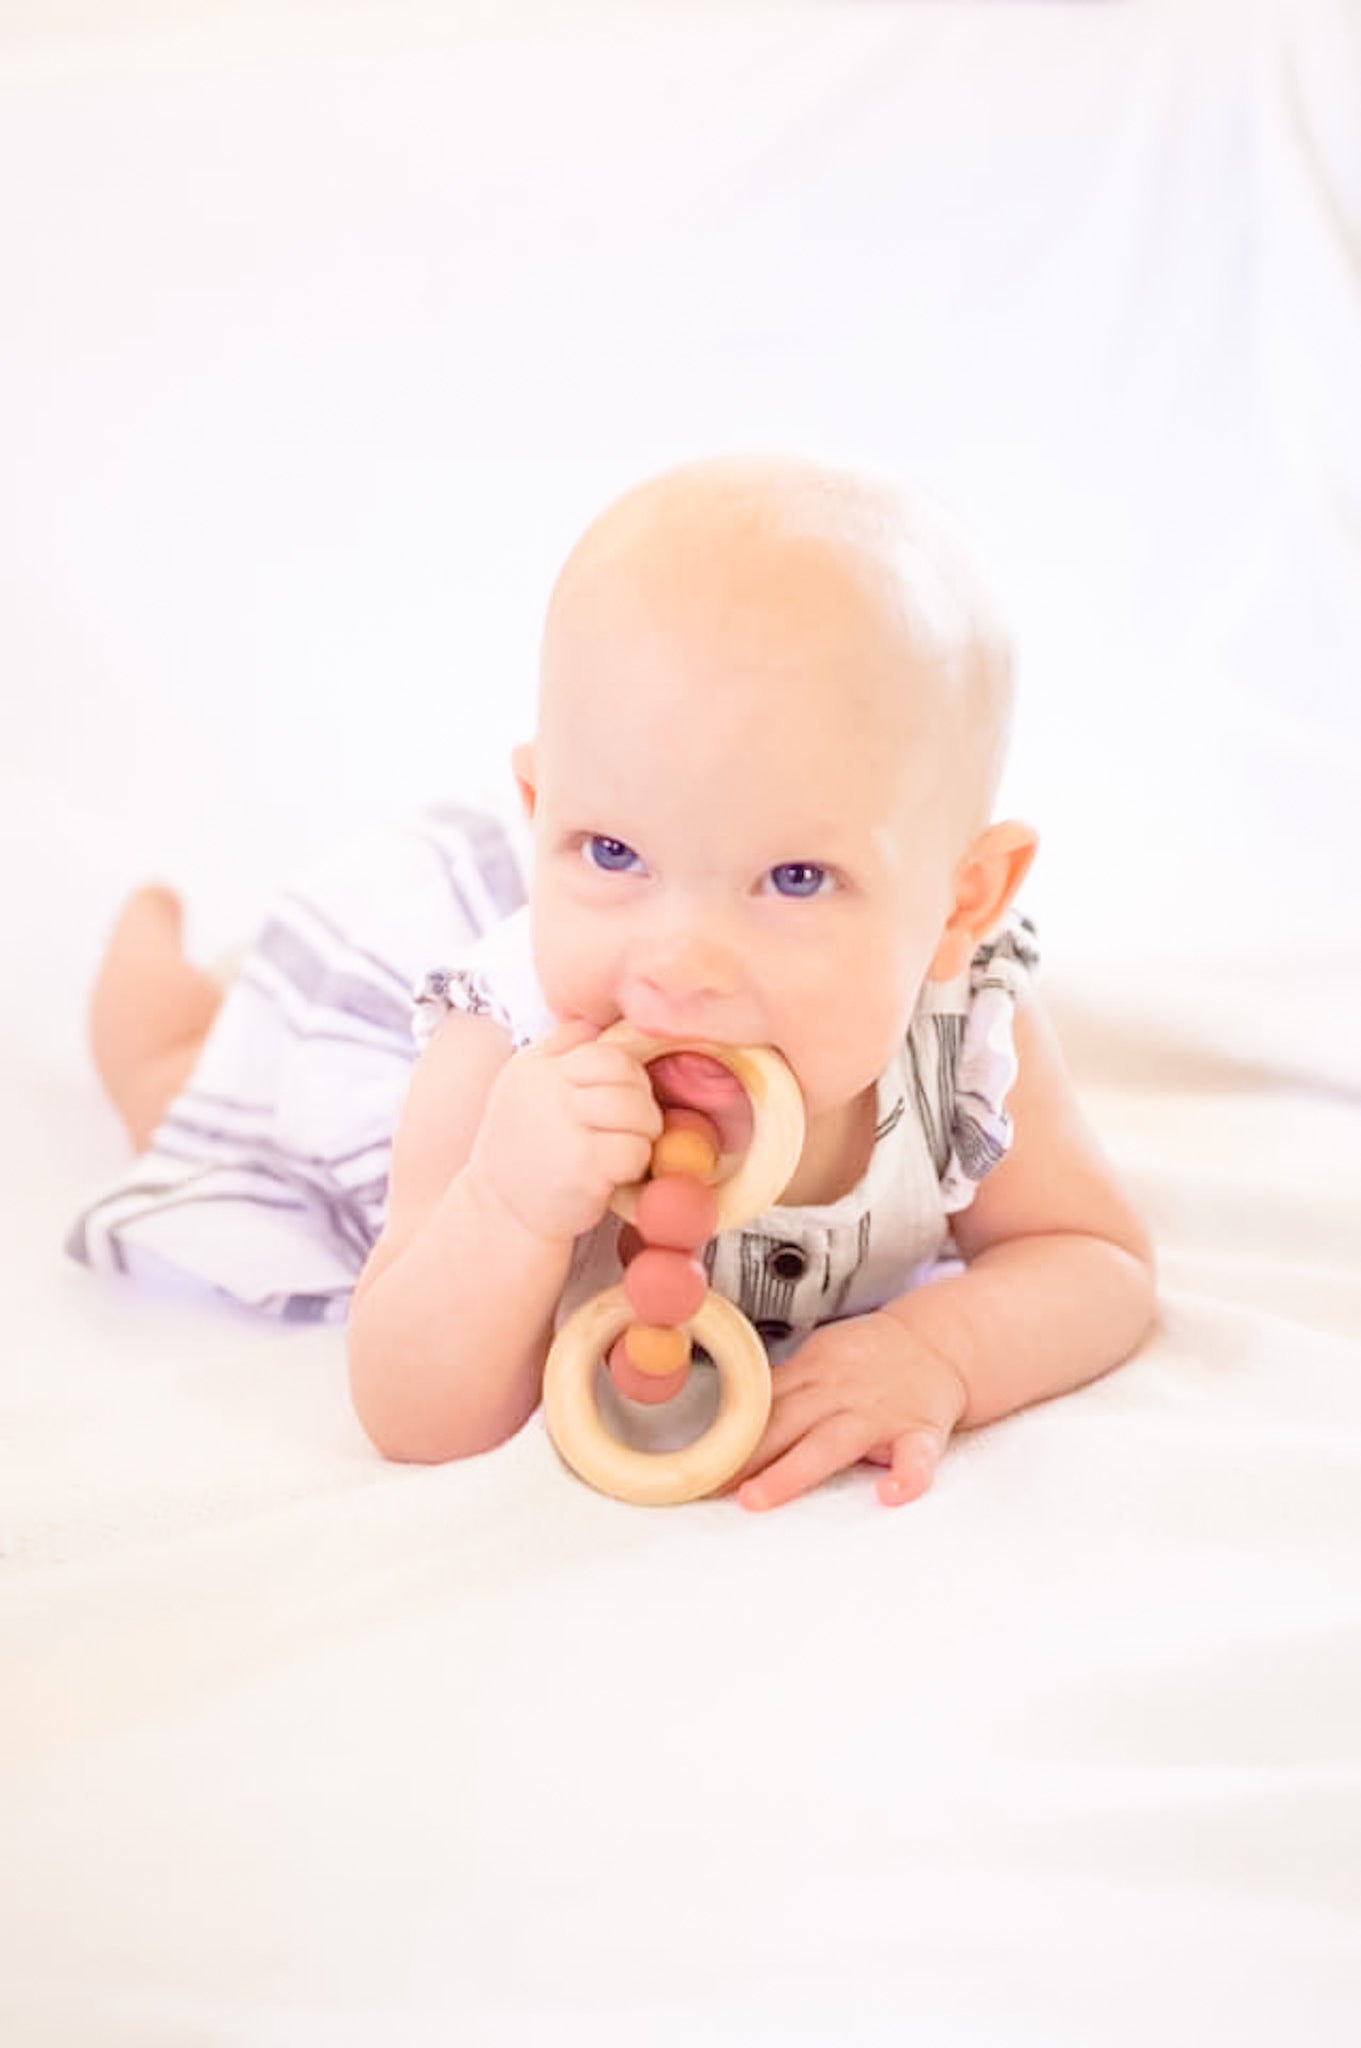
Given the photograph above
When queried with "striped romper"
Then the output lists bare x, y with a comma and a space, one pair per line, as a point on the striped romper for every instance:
266, 1182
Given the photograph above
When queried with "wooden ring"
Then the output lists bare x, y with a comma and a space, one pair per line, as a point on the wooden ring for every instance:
655, 1478
777, 1123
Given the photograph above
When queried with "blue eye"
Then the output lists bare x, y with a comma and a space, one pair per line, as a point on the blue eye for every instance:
799, 878
611, 856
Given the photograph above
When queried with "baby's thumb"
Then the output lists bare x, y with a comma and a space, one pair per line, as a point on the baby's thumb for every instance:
568, 1033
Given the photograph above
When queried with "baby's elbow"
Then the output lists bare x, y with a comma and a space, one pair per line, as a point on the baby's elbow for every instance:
1136, 1261
1138, 1244
1113, 1220
405, 1438
406, 1427
392, 1432
386, 1416
399, 1438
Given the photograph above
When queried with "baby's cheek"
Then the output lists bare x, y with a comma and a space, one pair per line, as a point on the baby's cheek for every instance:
571, 971
844, 1056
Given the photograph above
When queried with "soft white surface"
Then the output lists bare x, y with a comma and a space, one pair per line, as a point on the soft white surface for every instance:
323, 330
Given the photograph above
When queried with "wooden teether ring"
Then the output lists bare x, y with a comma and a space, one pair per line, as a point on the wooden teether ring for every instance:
767, 1166
655, 1478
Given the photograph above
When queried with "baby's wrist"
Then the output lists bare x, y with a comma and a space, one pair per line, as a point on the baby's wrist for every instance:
493, 1209
938, 1331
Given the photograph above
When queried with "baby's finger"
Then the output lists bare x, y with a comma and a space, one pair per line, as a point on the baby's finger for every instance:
914, 1458
598, 1060
789, 1420
833, 1445
621, 1157
605, 1106
566, 1035
606, 1066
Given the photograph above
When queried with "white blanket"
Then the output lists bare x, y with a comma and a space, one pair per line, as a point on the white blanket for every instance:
324, 329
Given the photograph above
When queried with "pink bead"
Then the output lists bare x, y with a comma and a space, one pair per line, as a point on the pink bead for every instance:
678, 1212
665, 1287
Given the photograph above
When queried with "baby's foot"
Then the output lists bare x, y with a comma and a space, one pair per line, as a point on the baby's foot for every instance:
144, 954
150, 923
150, 1009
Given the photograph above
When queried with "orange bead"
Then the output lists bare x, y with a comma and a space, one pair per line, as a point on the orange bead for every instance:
682, 1151
642, 1386
657, 1352
676, 1211
678, 1116
665, 1286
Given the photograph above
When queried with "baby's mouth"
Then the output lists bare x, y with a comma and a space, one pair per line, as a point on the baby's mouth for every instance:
692, 1080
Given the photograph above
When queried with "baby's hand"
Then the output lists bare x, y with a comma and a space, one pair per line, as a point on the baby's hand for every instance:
865, 1388
567, 1121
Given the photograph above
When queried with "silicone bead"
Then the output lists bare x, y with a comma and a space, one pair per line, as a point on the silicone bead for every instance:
642, 1386
657, 1352
665, 1286
678, 1116
676, 1211
649, 1359
680, 1151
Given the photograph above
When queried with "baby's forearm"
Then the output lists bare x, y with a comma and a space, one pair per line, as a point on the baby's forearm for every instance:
1033, 1317
448, 1335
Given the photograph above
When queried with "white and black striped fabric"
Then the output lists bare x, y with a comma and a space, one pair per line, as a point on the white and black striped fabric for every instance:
267, 1180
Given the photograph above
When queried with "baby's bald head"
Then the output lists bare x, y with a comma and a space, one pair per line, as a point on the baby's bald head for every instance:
781, 571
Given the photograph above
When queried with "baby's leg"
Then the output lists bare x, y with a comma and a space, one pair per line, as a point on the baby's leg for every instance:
149, 1013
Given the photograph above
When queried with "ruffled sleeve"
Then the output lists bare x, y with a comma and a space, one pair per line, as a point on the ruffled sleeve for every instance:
963, 1049
494, 979
455, 988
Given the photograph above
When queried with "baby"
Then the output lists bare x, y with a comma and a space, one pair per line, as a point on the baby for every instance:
773, 711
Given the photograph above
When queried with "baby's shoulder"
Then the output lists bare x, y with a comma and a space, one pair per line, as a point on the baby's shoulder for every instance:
962, 1059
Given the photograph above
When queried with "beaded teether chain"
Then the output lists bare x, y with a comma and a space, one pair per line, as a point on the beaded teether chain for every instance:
648, 1326
664, 1280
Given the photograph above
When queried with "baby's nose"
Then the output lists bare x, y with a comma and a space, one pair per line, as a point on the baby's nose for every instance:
680, 978
692, 966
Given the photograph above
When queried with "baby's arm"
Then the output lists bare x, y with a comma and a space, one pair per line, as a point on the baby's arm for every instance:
1059, 1280
500, 1162
1058, 1287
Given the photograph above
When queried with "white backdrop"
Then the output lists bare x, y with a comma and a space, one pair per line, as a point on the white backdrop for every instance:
323, 328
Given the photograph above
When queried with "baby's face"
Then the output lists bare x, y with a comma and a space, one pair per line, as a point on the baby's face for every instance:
742, 831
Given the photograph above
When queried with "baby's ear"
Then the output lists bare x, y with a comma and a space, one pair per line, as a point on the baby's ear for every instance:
986, 881
522, 766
